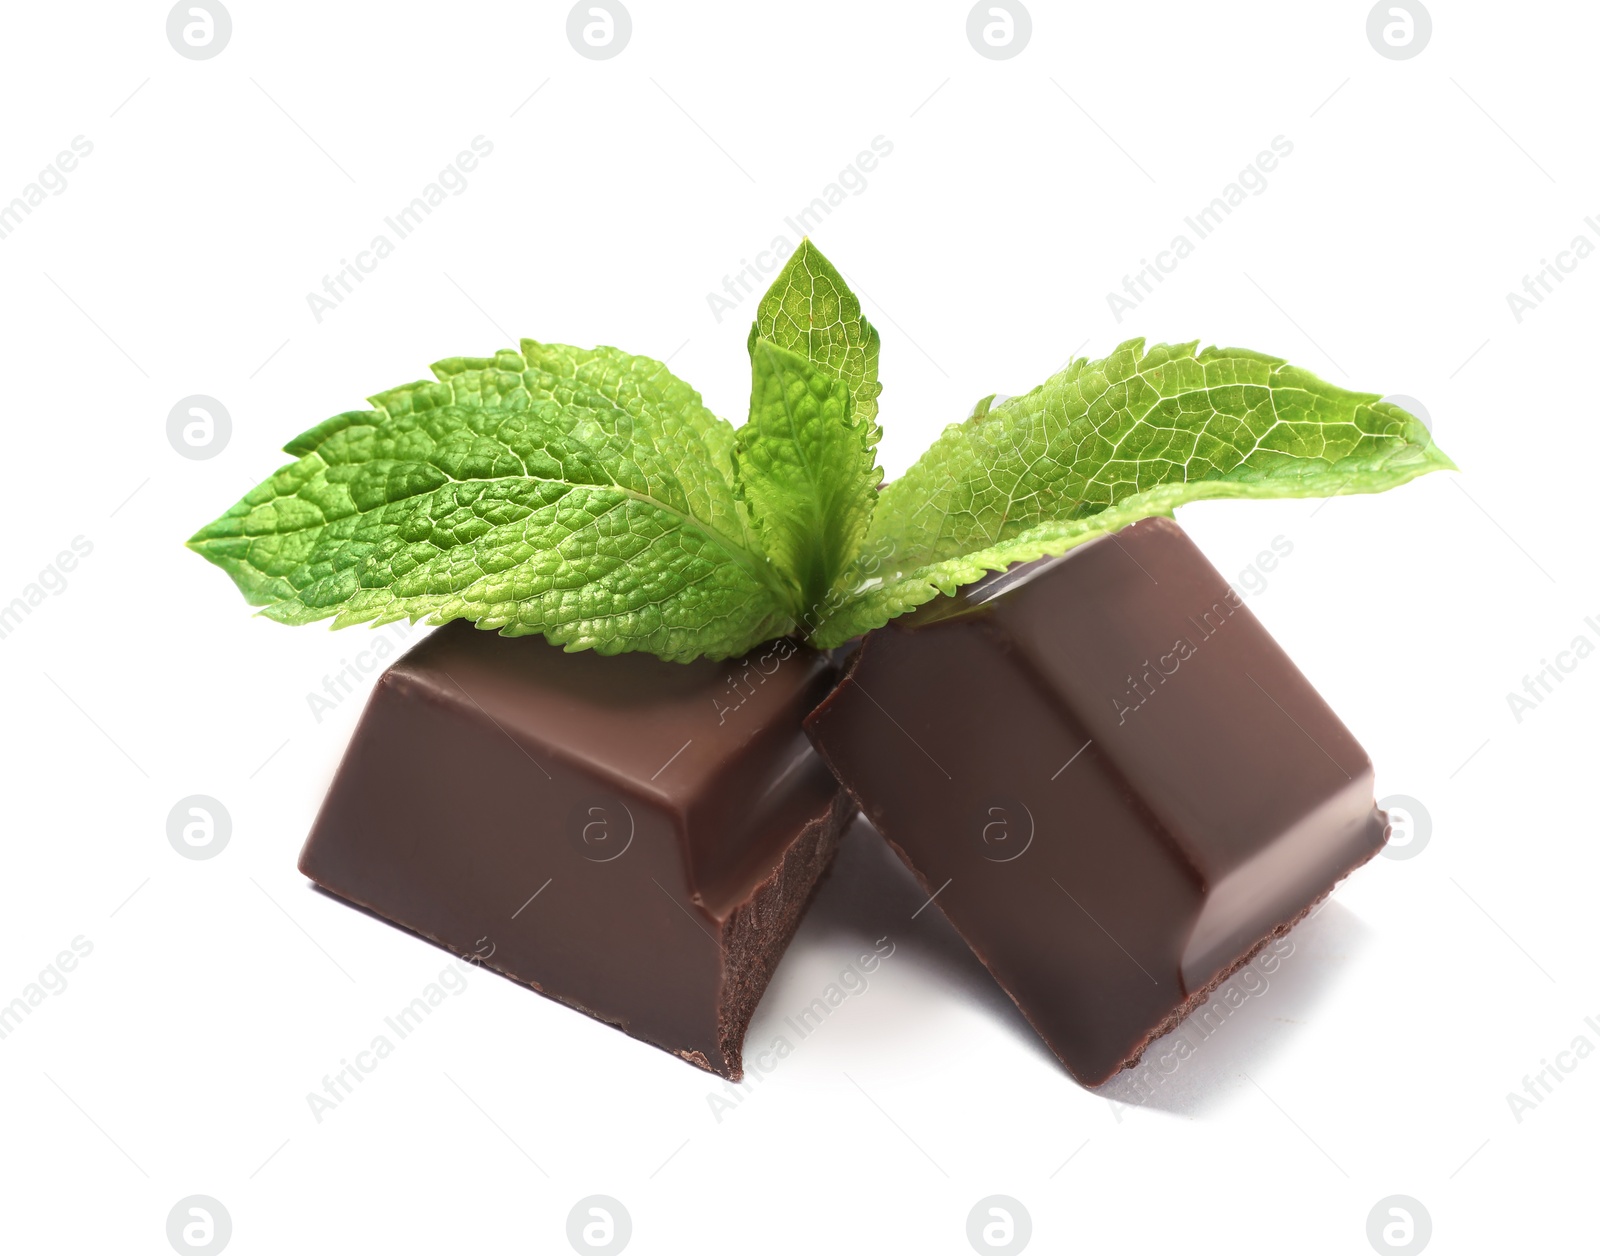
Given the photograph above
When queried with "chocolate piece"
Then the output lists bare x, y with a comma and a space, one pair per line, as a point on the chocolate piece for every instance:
1116, 783
633, 837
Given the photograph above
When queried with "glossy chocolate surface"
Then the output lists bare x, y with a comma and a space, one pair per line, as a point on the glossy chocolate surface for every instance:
633, 837
1117, 783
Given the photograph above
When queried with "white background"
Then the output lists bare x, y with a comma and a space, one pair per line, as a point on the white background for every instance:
178, 260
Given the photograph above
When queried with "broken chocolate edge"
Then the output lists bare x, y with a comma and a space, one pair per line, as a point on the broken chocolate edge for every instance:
821, 835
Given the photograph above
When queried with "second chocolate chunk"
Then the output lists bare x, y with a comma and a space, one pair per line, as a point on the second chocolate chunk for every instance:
1115, 782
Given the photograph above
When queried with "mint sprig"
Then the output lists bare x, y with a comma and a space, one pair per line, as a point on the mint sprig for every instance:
588, 496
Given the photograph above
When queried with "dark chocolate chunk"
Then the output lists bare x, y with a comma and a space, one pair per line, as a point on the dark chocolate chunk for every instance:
1116, 783
633, 837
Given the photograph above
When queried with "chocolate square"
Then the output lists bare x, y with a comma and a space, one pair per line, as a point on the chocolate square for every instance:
633, 837
1115, 782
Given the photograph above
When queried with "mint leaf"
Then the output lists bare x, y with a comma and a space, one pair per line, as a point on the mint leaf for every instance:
670, 424
803, 463
810, 311
1104, 443
582, 494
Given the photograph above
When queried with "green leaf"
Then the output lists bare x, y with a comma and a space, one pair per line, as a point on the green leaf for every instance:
809, 310
585, 495
804, 465
1104, 443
